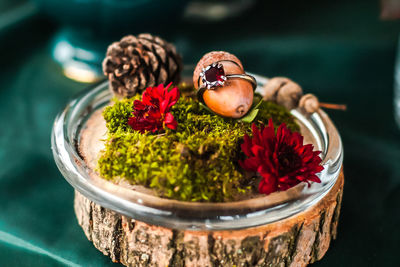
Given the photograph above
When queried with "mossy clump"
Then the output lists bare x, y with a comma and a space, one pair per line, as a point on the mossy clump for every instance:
195, 162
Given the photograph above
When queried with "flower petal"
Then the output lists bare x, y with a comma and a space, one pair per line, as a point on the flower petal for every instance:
281, 159
267, 185
170, 121
152, 114
246, 146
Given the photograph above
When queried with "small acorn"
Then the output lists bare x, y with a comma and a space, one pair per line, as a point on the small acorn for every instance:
309, 103
232, 99
283, 91
289, 94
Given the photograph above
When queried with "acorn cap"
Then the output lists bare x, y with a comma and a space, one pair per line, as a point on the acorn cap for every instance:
309, 103
210, 58
283, 91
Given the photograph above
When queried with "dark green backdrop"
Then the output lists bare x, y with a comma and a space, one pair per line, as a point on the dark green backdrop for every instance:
340, 51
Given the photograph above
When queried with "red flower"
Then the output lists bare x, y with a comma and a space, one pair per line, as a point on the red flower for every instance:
282, 160
152, 114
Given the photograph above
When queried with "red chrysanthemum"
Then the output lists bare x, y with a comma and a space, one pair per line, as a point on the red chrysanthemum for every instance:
281, 159
152, 114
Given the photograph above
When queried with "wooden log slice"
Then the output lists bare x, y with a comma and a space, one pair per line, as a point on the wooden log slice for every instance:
296, 241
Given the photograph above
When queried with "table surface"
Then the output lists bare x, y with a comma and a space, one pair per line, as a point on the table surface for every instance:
342, 52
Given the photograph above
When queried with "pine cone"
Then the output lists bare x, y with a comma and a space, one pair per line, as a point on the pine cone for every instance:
135, 63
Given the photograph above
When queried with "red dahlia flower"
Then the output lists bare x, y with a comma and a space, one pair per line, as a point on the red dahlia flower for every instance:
282, 160
153, 112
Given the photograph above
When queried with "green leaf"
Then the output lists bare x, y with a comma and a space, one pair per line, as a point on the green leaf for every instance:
258, 105
250, 116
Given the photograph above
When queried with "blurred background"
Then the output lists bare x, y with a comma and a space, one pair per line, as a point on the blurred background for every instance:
344, 51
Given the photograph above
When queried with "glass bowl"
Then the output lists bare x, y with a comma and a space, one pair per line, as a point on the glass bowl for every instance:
317, 128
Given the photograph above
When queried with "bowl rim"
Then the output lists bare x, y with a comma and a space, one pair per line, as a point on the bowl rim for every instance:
182, 214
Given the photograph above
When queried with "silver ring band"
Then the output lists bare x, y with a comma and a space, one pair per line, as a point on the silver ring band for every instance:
246, 77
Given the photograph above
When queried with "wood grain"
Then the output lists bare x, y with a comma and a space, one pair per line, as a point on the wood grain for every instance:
295, 241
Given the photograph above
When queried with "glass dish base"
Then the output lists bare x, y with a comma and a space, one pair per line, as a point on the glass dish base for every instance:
135, 228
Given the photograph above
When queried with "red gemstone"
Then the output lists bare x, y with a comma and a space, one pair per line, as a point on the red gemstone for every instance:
215, 74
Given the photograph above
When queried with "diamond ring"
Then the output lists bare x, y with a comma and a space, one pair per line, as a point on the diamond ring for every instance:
213, 76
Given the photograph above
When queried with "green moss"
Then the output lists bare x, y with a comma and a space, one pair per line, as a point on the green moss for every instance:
197, 162
278, 114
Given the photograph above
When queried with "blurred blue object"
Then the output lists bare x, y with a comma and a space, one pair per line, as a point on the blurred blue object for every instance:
15, 12
87, 27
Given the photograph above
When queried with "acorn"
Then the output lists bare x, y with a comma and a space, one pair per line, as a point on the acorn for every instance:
283, 91
232, 99
289, 94
309, 103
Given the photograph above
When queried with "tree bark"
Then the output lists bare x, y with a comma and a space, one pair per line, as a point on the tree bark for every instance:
295, 241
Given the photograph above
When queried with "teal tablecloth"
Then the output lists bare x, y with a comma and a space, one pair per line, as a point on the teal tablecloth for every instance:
344, 53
